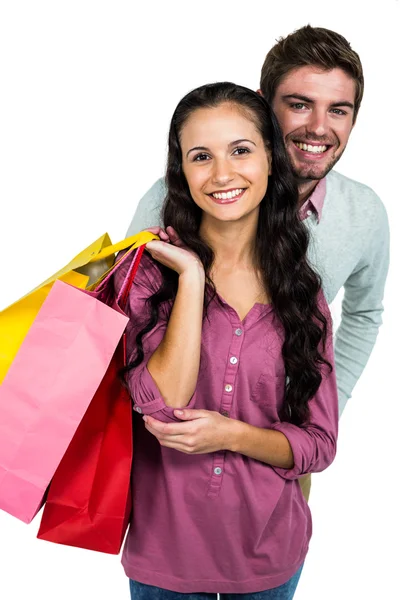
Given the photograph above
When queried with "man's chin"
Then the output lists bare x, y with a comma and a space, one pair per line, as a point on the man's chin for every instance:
312, 174
313, 171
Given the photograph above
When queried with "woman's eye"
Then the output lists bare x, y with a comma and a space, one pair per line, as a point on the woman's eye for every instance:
200, 157
241, 151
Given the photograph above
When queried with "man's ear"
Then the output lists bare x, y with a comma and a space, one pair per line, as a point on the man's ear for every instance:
259, 92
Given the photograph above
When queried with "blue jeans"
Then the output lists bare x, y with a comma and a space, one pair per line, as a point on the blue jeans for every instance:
140, 591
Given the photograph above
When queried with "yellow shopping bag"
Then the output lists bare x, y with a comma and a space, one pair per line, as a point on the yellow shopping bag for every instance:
83, 271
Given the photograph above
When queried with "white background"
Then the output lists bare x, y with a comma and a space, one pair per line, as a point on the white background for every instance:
87, 91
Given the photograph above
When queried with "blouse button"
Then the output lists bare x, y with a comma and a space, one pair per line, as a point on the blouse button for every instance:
238, 332
309, 213
138, 409
228, 387
218, 470
233, 360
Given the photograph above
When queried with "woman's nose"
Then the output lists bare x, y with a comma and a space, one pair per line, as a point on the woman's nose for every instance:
222, 172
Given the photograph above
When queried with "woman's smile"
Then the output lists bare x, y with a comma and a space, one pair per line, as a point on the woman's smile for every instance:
227, 196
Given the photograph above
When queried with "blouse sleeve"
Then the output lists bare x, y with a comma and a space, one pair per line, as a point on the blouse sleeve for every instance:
314, 444
146, 396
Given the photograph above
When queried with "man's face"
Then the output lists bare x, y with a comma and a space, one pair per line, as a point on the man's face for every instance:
315, 110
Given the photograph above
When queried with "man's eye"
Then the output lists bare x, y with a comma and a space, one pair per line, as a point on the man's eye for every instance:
241, 151
298, 105
200, 157
339, 111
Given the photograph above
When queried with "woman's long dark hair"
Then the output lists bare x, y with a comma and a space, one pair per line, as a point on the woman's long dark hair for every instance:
281, 246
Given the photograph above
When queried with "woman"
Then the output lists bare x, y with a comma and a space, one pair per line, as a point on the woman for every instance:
231, 365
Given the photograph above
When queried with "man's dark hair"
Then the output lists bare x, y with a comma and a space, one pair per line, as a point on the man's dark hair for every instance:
311, 46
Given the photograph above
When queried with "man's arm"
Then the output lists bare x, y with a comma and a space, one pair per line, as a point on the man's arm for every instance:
148, 211
362, 309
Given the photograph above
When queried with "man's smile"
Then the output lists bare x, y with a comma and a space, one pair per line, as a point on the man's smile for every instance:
311, 150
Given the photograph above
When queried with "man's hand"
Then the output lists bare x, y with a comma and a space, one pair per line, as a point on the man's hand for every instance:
200, 432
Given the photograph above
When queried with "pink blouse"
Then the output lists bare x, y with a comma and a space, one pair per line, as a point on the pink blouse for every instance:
222, 522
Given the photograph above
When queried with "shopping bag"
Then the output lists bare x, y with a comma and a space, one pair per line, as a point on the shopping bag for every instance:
89, 499
47, 391
86, 269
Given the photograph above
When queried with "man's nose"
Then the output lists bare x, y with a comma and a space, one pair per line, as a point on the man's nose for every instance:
317, 123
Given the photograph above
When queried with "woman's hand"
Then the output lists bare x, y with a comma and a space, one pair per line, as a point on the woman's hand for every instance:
157, 230
172, 253
166, 235
200, 432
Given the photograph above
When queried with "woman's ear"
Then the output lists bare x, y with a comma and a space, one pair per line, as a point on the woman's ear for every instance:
259, 92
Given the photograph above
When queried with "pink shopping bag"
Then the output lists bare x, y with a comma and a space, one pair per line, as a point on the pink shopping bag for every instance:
88, 503
49, 387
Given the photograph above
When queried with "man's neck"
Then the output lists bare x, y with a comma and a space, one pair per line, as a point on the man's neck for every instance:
305, 189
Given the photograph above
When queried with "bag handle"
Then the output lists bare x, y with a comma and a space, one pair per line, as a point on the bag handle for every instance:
127, 284
133, 242
139, 240
123, 295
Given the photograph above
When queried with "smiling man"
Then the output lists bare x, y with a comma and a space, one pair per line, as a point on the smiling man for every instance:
317, 122
314, 82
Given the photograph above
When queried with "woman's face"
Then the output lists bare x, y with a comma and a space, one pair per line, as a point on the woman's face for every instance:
225, 162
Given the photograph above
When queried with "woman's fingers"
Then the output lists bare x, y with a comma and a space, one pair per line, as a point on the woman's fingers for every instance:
167, 235
173, 236
157, 230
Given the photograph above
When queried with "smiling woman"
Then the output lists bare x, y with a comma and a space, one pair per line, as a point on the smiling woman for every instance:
230, 367
228, 178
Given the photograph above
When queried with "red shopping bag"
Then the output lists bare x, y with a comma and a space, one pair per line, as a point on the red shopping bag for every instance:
89, 499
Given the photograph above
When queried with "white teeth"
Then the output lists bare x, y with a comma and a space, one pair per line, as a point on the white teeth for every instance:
309, 148
228, 195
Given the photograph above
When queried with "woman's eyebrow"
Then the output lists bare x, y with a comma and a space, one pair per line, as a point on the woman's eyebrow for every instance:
205, 149
241, 141
202, 148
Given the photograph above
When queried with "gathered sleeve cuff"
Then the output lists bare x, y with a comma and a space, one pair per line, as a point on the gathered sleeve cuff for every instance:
147, 398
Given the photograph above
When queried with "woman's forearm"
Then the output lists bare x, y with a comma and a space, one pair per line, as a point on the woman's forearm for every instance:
174, 366
266, 445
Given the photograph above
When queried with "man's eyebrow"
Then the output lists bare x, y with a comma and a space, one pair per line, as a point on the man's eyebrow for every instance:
205, 149
311, 101
343, 103
297, 97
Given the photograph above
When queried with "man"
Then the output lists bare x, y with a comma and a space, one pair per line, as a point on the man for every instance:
314, 82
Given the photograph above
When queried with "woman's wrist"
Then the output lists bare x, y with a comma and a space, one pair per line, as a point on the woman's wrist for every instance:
193, 274
233, 433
